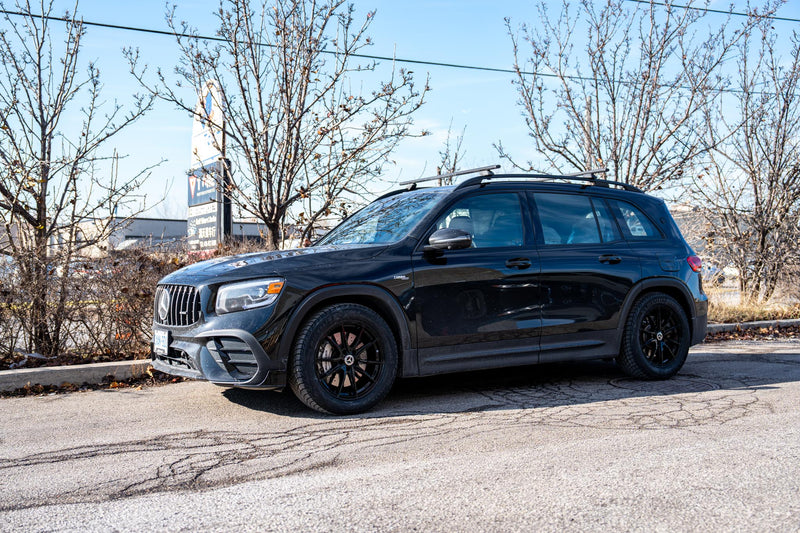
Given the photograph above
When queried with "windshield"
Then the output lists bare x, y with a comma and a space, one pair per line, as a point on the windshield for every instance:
385, 221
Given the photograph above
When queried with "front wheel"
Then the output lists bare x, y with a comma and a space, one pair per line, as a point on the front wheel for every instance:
656, 338
344, 360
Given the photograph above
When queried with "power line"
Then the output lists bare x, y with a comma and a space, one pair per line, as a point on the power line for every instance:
720, 11
269, 45
329, 52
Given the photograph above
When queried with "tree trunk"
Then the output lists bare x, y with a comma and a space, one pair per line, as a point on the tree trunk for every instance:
274, 237
38, 286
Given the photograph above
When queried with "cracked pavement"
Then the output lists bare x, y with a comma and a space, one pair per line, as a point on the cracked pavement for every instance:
575, 446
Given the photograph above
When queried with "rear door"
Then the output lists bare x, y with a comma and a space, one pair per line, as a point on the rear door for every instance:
587, 269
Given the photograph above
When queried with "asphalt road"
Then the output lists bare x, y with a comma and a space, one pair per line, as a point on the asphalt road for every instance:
557, 447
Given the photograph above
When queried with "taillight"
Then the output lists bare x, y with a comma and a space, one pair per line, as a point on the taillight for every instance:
695, 262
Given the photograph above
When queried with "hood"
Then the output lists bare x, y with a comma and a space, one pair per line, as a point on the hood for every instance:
280, 262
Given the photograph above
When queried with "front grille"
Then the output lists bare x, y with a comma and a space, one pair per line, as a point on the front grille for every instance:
184, 305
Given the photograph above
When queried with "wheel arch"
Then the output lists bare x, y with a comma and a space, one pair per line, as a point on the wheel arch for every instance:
373, 297
669, 286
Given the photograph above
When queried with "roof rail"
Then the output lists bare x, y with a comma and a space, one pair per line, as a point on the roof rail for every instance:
486, 172
588, 176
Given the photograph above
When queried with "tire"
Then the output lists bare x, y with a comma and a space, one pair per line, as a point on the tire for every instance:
344, 360
655, 342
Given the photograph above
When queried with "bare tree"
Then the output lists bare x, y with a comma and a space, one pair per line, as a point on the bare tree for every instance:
451, 155
298, 125
54, 175
751, 183
620, 85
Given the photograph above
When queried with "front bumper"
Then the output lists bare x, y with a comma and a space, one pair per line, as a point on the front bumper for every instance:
225, 357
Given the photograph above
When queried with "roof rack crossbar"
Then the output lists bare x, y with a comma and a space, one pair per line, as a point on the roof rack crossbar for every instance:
591, 172
487, 172
586, 175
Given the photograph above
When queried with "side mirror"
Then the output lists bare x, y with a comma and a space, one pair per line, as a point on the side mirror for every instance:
449, 239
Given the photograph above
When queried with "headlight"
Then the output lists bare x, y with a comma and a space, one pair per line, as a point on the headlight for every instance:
247, 295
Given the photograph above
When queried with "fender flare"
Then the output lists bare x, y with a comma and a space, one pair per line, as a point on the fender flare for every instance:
655, 284
355, 292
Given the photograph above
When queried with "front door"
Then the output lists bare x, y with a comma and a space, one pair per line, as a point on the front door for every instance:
479, 307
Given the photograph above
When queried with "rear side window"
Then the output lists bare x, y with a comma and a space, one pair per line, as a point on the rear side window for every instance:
573, 219
636, 223
608, 226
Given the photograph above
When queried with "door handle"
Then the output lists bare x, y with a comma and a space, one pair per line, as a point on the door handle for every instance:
520, 262
609, 259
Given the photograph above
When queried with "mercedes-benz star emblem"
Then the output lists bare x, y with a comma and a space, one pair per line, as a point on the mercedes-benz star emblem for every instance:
163, 305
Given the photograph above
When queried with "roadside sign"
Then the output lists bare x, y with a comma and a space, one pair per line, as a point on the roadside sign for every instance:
208, 221
208, 133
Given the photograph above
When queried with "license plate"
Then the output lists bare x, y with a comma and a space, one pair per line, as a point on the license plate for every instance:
161, 342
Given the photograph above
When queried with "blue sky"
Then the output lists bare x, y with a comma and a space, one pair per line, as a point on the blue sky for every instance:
463, 32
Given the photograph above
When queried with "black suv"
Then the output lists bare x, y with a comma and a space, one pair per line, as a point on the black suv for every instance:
500, 270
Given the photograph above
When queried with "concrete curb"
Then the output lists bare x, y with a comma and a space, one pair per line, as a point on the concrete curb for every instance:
717, 328
96, 372
78, 374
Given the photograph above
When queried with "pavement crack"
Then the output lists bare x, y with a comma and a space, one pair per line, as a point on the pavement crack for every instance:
210, 458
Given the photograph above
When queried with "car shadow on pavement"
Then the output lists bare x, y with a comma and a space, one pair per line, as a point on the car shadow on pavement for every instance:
708, 380
282, 403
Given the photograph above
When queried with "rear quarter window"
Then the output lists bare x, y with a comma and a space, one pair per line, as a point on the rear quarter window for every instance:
634, 222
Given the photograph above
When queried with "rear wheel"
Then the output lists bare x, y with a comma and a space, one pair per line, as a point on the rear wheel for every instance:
344, 360
656, 338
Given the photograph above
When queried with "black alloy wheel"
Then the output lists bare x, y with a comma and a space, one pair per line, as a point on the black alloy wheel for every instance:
659, 335
348, 361
656, 338
344, 360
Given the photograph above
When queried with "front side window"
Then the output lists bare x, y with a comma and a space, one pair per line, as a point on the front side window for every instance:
386, 220
493, 220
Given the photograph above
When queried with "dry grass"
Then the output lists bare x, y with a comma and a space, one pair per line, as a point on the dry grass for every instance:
732, 313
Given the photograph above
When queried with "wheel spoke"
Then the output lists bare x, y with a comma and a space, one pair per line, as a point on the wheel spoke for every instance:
341, 381
358, 338
330, 371
352, 375
345, 335
363, 374
332, 341
651, 352
671, 351
368, 362
672, 342
364, 347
